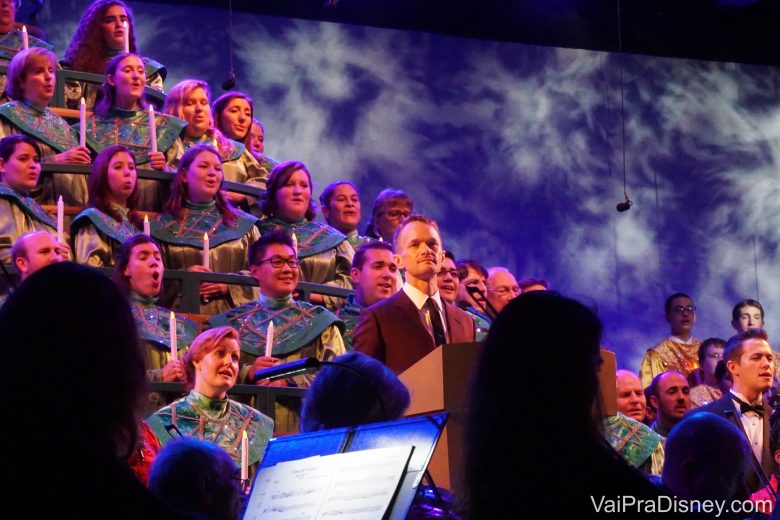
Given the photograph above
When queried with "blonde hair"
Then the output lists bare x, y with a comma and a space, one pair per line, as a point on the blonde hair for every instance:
205, 343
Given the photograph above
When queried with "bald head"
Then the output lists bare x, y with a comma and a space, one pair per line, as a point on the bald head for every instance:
501, 287
630, 395
706, 458
34, 251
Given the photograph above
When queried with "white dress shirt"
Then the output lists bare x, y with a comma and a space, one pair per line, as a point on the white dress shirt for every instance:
419, 299
753, 424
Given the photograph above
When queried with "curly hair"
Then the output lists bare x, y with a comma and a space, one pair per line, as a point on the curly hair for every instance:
175, 204
20, 66
276, 181
87, 51
98, 185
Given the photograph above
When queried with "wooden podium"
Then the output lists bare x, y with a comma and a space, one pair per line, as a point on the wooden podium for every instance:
441, 381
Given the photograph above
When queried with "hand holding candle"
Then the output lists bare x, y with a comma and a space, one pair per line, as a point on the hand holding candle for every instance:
25, 38
82, 123
152, 129
174, 346
126, 31
60, 218
269, 340
147, 229
205, 251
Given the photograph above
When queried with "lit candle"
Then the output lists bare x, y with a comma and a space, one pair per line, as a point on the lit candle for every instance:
295, 244
205, 250
244, 456
174, 342
82, 123
25, 38
152, 129
127, 35
269, 340
147, 230
60, 218
381, 239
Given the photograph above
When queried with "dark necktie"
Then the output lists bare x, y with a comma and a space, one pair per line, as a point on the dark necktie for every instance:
745, 408
438, 328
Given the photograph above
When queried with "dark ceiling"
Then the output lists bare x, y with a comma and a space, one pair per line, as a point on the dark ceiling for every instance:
745, 31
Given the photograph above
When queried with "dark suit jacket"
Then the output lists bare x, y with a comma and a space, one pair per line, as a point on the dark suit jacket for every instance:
392, 332
724, 407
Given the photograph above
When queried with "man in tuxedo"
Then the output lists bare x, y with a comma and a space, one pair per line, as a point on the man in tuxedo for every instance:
750, 361
402, 329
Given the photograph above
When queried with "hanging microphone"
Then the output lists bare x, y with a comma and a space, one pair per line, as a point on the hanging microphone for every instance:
230, 83
624, 206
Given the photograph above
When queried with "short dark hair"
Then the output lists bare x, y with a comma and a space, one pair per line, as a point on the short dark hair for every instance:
733, 349
653, 386
746, 303
362, 251
123, 258
411, 219
464, 264
327, 193
257, 249
8, 145
528, 282
449, 254
707, 343
668, 302
340, 398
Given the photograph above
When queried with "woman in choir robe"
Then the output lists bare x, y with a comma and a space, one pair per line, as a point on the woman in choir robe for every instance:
257, 145
325, 254
206, 413
110, 219
197, 207
99, 37
31, 85
20, 167
12, 40
121, 117
189, 100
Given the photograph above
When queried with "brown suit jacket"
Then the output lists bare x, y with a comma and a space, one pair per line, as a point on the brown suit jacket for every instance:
392, 332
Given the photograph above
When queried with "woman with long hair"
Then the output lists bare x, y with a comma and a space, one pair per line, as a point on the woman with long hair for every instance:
31, 83
111, 217
190, 100
325, 254
98, 38
121, 117
198, 206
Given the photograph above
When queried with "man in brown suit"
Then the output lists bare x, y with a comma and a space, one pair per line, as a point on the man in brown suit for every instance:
402, 329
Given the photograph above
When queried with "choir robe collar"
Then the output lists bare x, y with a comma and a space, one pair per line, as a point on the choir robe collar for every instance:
199, 219
313, 237
28, 205
153, 323
40, 123
11, 43
117, 230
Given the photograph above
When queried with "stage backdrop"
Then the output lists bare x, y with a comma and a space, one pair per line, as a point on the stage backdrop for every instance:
517, 151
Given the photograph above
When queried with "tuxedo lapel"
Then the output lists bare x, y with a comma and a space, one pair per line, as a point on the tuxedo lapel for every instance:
409, 317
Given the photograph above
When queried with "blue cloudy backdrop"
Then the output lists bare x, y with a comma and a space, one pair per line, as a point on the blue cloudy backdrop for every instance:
517, 151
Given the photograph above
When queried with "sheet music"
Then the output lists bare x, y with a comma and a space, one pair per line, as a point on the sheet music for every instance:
358, 485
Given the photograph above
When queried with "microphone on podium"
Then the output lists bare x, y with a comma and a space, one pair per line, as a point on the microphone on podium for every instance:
292, 368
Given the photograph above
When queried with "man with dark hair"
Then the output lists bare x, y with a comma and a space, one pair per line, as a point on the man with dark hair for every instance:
196, 476
533, 284
404, 328
706, 388
301, 329
680, 350
447, 279
669, 393
374, 279
750, 360
472, 275
747, 314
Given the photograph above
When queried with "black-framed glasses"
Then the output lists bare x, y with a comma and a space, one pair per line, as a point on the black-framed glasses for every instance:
277, 262
395, 214
451, 272
679, 309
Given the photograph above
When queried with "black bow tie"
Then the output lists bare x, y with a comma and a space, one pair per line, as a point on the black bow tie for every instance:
745, 408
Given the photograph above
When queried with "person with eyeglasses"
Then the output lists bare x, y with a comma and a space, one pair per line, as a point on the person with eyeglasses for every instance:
472, 275
502, 287
324, 253
196, 207
449, 288
679, 351
706, 386
301, 329
391, 206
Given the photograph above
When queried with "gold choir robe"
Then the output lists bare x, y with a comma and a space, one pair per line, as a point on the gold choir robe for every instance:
669, 355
